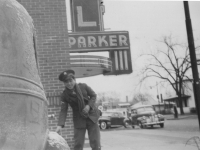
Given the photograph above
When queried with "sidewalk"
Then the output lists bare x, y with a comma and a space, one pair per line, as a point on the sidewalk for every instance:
144, 145
87, 145
108, 142
185, 116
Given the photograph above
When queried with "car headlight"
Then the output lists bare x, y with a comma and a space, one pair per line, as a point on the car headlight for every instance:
144, 117
159, 115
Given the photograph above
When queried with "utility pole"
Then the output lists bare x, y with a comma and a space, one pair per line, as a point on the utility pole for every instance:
158, 96
193, 60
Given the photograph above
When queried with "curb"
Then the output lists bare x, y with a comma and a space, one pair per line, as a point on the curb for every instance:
180, 117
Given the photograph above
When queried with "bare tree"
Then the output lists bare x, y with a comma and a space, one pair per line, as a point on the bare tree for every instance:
109, 96
169, 65
139, 97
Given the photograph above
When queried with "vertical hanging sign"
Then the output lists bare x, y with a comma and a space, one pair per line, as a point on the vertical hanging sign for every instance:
88, 35
87, 15
121, 62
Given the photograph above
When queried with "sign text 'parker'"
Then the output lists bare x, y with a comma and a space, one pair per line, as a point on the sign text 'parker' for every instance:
98, 41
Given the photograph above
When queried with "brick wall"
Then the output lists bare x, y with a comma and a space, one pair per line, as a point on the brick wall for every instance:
54, 109
50, 21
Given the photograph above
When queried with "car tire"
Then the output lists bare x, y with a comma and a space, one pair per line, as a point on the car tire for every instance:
103, 125
162, 125
140, 125
133, 127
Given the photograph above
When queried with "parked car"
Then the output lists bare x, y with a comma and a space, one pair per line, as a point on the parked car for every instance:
145, 115
112, 119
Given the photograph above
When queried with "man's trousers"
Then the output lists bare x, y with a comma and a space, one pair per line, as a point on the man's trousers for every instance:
93, 134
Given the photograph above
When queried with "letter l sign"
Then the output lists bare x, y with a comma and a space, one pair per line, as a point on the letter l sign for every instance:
81, 23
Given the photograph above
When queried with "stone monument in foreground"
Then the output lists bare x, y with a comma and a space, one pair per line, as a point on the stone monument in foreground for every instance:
23, 104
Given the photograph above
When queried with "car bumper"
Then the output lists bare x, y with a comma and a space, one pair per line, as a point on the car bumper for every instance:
108, 123
154, 123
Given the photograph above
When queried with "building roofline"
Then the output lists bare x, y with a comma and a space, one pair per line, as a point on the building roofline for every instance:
175, 97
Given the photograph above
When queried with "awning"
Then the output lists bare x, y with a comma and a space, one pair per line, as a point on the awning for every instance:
89, 65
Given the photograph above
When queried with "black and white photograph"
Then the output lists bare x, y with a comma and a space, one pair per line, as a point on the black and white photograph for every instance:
99, 75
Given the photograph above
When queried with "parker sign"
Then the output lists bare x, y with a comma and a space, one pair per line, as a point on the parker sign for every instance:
98, 41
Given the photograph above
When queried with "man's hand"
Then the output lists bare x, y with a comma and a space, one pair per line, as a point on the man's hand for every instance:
86, 109
58, 129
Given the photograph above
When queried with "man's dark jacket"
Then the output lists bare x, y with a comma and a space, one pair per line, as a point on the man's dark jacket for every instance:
89, 99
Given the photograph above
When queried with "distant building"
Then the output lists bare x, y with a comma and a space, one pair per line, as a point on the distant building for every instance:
188, 100
114, 105
124, 105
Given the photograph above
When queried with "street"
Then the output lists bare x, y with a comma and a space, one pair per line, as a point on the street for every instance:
173, 136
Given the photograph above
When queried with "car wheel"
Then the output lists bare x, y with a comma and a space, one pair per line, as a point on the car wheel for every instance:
162, 125
103, 125
140, 125
151, 126
133, 127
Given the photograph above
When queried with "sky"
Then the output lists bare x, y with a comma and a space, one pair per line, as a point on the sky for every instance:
147, 22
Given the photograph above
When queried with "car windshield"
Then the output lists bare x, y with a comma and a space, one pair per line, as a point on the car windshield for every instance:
107, 113
142, 109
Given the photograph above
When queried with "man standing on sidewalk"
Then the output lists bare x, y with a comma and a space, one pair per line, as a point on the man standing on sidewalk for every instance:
175, 111
82, 100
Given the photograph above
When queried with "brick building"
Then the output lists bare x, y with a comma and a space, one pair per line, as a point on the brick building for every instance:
50, 21
54, 48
